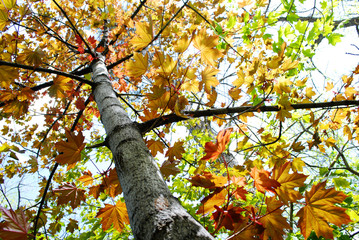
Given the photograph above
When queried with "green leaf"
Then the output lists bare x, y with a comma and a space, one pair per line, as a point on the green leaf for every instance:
231, 22
334, 38
301, 26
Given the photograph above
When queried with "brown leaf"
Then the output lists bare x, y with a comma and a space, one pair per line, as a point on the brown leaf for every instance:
69, 193
71, 149
16, 224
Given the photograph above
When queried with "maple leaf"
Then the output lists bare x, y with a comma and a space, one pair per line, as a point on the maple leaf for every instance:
227, 217
320, 210
207, 46
213, 150
155, 146
3, 19
62, 85
209, 79
113, 215
208, 180
175, 151
86, 178
262, 181
72, 225
15, 225
273, 222
7, 4
213, 200
288, 182
139, 66
71, 149
7, 75
69, 193
144, 35
169, 168
32, 57
182, 44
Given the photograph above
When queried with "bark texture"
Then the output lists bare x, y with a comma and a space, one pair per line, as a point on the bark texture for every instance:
154, 213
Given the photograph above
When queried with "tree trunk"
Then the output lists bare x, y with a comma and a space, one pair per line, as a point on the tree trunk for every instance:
153, 212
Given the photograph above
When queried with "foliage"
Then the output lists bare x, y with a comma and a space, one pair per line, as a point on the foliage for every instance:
250, 141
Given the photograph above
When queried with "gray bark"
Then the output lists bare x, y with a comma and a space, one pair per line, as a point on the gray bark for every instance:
153, 212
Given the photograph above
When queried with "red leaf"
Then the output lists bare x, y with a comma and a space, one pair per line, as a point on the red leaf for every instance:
78, 39
81, 49
92, 41
16, 225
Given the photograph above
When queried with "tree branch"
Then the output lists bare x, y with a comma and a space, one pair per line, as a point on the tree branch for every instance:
46, 70
171, 118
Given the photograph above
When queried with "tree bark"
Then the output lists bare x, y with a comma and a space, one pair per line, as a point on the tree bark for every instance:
153, 212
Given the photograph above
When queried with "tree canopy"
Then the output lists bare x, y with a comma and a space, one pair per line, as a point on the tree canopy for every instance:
106, 103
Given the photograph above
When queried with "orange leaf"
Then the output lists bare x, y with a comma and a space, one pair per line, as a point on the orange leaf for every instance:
214, 150
208, 180
155, 146
71, 149
262, 181
320, 210
15, 225
86, 178
69, 193
116, 215
273, 222
288, 182
213, 200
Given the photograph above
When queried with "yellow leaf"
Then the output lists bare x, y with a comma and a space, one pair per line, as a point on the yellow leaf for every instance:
144, 35
7, 75
182, 44
207, 46
348, 132
7, 4
289, 64
297, 146
241, 78
301, 83
209, 79
3, 19
298, 164
116, 215
329, 86
62, 85
350, 92
282, 85
191, 86
309, 93
234, 93
330, 142
138, 67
